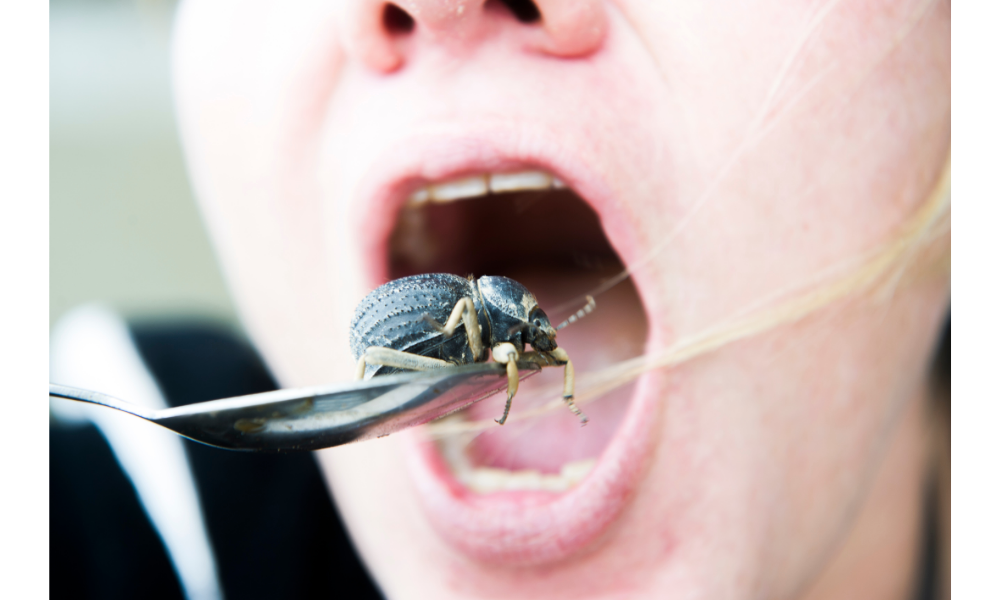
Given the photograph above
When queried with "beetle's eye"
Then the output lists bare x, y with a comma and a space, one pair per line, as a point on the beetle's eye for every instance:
538, 323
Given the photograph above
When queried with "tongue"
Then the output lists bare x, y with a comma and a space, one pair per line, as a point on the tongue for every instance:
615, 331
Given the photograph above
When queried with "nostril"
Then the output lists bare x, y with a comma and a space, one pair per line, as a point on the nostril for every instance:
524, 11
396, 20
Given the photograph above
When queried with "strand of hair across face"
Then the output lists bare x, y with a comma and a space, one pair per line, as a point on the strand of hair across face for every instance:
760, 127
876, 272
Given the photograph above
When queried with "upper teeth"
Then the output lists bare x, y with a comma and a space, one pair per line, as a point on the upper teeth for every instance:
480, 185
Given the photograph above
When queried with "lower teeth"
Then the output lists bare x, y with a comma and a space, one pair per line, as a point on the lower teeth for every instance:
489, 480
486, 480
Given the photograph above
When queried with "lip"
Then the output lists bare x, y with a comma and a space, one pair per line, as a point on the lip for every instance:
515, 528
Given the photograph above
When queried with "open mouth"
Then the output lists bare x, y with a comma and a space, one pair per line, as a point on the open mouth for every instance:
528, 225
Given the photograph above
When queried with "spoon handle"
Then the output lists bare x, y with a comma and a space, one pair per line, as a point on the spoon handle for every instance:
72, 393
305, 419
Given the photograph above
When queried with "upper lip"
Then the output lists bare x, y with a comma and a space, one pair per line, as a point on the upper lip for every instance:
507, 528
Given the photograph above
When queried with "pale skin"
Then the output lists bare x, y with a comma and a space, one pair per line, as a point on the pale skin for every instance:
731, 149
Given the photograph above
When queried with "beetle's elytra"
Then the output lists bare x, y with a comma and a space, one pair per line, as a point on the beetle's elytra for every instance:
398, 326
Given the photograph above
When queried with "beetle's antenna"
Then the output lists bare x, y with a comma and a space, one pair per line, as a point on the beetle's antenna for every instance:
586, 310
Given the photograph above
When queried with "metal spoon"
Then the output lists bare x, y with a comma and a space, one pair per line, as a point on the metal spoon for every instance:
303, 419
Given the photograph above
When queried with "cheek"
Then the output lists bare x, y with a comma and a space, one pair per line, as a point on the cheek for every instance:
769, 446
252, 81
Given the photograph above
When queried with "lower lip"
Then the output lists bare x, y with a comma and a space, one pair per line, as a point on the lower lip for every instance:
532, 528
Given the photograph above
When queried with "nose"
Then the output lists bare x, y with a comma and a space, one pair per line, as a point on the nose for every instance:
384, 35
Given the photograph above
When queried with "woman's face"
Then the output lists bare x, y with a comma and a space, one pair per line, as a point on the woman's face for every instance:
723, 151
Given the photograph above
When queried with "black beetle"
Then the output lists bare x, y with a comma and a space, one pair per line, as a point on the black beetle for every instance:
398, 327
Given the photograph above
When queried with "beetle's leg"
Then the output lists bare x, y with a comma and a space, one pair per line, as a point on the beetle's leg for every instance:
559, 357
452, 323
542, 359
465, 311
397, 359
506, 353
569, 378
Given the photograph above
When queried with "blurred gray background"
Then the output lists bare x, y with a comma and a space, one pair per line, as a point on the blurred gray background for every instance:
124, 227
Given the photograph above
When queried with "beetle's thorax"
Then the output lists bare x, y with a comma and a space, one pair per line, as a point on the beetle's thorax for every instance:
508, 306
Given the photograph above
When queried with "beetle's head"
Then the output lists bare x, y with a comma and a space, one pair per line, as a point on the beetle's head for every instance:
539, 332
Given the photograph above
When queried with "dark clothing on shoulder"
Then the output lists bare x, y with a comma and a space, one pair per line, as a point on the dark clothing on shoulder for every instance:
273, 527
